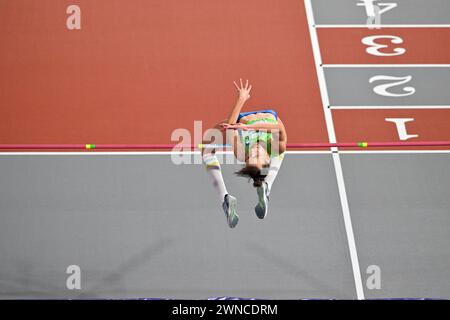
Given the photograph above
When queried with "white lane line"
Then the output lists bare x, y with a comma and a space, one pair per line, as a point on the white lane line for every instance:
382, 26
336, 158
386, 65
100, 153
168, 153
387, 107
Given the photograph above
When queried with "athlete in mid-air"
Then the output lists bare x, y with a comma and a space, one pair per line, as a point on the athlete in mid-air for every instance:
259, 139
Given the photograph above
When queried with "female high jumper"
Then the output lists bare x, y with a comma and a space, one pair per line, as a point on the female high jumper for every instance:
258, 138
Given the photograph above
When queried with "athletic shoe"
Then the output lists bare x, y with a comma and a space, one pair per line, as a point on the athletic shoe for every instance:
263, 201
229, 207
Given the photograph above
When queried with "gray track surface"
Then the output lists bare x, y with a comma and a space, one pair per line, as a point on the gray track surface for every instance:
142, 227
351, 87
407, 12
400, 208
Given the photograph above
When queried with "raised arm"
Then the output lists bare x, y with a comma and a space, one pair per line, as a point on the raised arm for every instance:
244, 95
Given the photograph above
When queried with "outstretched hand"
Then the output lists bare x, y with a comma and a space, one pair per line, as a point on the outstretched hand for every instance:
244, 91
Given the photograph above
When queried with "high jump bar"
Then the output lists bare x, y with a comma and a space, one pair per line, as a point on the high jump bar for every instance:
179, 147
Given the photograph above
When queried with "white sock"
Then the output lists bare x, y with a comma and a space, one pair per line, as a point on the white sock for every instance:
275, 165
215, 172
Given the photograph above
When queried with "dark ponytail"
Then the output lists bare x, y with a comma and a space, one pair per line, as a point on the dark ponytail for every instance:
254, 173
